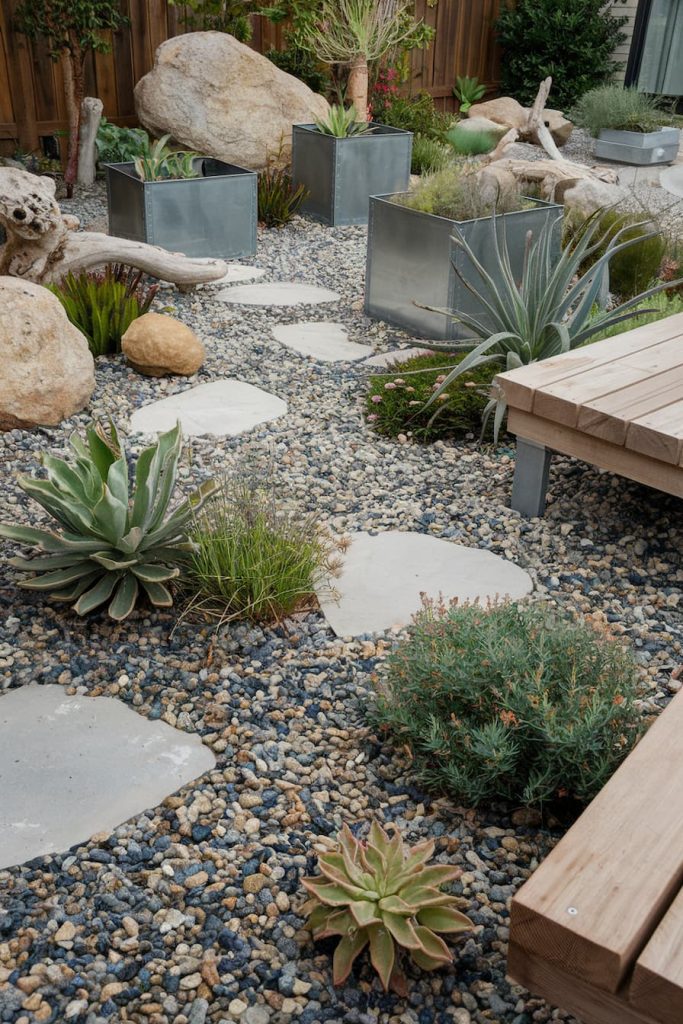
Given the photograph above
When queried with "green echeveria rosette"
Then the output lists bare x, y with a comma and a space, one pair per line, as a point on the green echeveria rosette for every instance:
378, 894
111, 546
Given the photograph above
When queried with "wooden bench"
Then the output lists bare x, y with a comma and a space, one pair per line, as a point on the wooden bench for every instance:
598, 928
617, 404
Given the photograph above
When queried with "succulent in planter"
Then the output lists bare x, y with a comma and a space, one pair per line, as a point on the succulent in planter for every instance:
110, 545
158, 162
377, 893
343, 123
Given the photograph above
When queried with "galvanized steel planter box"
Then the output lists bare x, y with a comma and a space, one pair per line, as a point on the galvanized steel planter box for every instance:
642, 148
212, 215
409, 260
341, 174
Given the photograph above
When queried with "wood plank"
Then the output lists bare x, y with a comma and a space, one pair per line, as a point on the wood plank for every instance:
617, 459
596, 899
590, 1004
562, 401
657, 983
609, 417
659, 434
520, 385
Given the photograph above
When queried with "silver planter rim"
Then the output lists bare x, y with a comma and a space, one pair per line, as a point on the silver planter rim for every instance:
391, 197
378, 131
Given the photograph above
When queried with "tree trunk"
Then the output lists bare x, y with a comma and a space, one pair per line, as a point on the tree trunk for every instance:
74, 89
358, 87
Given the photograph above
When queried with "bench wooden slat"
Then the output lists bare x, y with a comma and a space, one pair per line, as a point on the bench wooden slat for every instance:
608, 417
561, 402
657, 983
617, 459
594, 902
520, 385
659, 434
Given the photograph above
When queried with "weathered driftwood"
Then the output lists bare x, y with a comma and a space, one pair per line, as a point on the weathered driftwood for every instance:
43, 246
536, 125
91, 115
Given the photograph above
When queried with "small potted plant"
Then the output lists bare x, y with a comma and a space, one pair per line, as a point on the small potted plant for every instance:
183, 202
342, 161
413, 261
628, 126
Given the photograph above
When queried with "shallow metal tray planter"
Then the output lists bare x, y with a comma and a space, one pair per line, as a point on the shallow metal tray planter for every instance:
409, 261
641, 148
341, 174
211, 215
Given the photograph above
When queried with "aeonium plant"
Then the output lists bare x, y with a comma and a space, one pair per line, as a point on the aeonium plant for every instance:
377, 893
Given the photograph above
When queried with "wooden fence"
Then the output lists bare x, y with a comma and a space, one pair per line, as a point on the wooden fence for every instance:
31, 87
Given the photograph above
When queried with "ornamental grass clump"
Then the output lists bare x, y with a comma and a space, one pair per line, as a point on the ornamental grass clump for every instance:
377, 893
454, 192
278, 198
612, 107
111, 546
510, 702
253, 559
103, 304
395, 402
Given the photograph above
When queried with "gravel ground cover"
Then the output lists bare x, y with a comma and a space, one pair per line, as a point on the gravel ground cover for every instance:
189, 912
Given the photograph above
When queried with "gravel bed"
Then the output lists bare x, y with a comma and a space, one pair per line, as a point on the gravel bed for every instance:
189, 912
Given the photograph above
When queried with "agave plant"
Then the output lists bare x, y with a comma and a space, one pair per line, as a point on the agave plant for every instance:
550, 311
378, 893
158, 161
110, 544
467, 91
343, 123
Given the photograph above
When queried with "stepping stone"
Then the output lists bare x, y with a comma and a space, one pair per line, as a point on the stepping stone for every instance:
399, 355
383, 577
277, 293
672, 180
222, 407
328, 342
74, 766
237, 272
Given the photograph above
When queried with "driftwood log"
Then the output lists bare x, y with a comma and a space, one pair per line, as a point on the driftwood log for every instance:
91, 115
43, 246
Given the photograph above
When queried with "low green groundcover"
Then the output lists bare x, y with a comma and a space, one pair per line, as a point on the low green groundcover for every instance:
511, 702
396, 400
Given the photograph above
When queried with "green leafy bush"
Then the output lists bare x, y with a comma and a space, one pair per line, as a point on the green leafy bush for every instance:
302, 64
117, 145
377, 893
510, 702
611, 106
634, 269
395, 403
110, 544
103, 304
415, 114
659, 306
572, 40
454, 192
429, 155
278, 199
231, 16
253, 560
466, 142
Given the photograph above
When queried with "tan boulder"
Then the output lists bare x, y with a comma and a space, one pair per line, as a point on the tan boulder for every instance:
218, 96
156, 345
48, 372
508, 112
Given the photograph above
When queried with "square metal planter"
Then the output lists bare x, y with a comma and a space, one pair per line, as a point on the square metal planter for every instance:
410, 259
641, 148
341, 174
211, 215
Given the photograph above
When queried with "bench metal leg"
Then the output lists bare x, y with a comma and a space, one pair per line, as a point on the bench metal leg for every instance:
531, 478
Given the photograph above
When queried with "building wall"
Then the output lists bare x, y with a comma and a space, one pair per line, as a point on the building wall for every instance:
621, 9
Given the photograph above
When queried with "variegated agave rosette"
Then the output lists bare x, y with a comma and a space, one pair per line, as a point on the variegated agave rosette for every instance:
377, 893
111, 545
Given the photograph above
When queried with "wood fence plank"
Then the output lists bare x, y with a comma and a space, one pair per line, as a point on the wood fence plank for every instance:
657, 984
596, 899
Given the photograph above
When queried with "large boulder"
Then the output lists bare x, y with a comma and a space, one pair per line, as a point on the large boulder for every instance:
48, 372
215, 95
157, 345
507, 112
